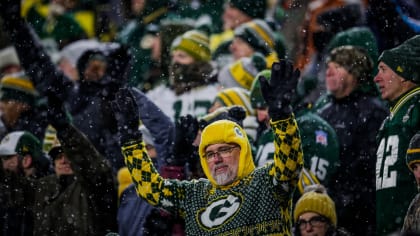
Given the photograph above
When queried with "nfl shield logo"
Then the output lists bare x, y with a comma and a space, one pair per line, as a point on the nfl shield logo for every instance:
321, 137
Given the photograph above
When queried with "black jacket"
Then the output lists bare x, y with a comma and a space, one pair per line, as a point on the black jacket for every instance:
356, 120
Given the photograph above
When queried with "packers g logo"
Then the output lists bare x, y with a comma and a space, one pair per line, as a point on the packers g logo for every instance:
219, 211
238, 132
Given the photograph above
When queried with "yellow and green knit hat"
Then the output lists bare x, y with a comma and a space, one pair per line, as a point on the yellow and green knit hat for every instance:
18, 87
235, 96
226, 131
194, 42
413, 151
241, 73
315, 199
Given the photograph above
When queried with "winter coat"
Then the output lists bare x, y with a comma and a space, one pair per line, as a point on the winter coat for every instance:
16, 200
88, 102
412, 218
84, 203
356, 120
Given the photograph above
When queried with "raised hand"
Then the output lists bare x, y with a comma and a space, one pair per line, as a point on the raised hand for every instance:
279, 91
127, 115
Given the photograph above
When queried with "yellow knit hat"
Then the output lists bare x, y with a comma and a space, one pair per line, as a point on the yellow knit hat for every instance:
235, 96
225, 131
316, 200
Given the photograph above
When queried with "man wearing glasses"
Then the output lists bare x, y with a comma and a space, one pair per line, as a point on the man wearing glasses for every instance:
236, 198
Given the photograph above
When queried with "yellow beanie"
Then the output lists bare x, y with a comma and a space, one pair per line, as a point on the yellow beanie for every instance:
226, 131
318, 201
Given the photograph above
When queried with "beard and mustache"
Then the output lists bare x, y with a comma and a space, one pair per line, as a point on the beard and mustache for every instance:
183, 78
224, 178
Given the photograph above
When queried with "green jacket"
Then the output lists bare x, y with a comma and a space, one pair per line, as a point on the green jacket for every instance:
395, 186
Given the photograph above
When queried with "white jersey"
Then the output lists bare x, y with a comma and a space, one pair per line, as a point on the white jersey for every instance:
163, 97
195, 102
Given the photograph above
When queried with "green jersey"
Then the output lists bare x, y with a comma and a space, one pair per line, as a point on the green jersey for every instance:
319, 144
395, 185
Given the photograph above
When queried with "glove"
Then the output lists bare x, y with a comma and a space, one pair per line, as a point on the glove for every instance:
57, 115
279, 92
127, 115
10, 10
186, 129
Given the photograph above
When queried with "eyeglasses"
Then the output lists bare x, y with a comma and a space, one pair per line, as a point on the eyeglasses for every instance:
315, 221
222, 152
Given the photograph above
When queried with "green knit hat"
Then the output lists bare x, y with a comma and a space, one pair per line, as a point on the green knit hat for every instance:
413, 151
252, 8
404, 59
362, 37
257, 100
194, 42
18, 87
258, 35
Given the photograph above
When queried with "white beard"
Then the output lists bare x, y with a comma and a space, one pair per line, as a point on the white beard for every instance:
223, 179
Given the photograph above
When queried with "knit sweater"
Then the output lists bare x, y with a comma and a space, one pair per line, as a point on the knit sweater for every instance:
258, 204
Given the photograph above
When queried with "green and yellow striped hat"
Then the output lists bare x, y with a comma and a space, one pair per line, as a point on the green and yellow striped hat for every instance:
242, 72
194, 42
235, 96
18, 87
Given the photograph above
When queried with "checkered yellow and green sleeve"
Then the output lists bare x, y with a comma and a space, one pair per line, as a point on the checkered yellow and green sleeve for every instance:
288, 155
149, 184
